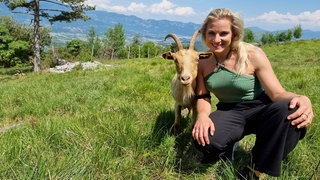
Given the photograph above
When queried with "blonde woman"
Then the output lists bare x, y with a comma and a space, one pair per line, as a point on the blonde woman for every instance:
251, 100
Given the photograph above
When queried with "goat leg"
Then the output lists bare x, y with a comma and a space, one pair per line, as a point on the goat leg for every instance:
176, 125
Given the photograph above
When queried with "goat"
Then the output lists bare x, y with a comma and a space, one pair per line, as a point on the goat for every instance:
184, 81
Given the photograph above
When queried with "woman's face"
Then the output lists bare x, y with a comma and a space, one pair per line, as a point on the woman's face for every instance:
219, 35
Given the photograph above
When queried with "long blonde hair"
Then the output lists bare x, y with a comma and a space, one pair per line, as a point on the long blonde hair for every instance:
237, 28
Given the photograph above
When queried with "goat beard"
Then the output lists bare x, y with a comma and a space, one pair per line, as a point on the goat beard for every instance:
189, 95
183, 94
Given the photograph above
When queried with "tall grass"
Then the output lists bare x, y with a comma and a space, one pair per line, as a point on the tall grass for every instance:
112, 123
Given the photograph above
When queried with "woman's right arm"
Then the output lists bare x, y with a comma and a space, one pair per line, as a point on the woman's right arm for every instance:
203, 123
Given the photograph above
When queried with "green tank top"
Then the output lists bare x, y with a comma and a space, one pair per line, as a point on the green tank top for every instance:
230, 87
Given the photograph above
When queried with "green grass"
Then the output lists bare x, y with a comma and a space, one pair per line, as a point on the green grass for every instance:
112, 123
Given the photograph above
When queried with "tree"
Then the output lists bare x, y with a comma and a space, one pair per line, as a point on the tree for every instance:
150, 50
297, 32
93, 42
289, 35
74, 47
25, 33
135, 47
248, 36
268, 38
63, 10
114, 40
135, 51
5, 40
136, 40
12, 52
281, 36
21, 51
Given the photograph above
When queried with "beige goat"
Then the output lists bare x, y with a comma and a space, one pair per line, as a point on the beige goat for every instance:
184, 82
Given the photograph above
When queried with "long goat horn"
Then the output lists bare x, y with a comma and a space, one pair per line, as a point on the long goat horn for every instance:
193, 39
176, 39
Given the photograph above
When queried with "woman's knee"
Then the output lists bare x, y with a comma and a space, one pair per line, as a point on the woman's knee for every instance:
282, 107
214, 147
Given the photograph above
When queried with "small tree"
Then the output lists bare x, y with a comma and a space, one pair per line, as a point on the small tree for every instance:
289, 35
114, 40
281, 37
248, 36
74, 47
135, 47
268, 38
94, 43
150, 49
297, 32
137, 39
135, 51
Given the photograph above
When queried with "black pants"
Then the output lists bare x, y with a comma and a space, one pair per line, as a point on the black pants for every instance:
275, 136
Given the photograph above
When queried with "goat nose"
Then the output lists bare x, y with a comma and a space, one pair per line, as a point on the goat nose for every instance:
185, 78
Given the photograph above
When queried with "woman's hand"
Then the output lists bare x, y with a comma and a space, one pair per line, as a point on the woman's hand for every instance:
303, 116
201, 129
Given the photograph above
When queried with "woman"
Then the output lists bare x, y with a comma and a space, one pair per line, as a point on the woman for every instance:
251, 99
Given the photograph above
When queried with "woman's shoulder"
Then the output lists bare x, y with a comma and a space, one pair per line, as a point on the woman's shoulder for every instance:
252, 50
206, 65
251, 47
205, 62
256, 55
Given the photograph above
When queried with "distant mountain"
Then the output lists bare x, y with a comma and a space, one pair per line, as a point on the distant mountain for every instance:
101, 21
308, 34
154, 30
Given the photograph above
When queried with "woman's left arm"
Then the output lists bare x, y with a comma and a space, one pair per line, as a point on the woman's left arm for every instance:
303, 116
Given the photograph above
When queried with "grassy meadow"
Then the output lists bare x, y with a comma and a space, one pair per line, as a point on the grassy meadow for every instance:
113, 122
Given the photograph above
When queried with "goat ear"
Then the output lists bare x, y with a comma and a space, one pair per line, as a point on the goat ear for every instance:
205, 55
168, 55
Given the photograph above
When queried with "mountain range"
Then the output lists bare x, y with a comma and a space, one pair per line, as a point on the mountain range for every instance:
147, 29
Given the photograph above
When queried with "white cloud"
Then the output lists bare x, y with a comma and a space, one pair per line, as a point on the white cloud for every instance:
100, 4
306, 19
164, 6
167, 7
133, 7
136, 7
119, 9
184, 11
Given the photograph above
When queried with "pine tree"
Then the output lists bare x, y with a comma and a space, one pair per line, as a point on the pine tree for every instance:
63, 10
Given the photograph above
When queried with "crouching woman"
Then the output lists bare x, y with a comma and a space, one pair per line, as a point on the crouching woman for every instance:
251, 99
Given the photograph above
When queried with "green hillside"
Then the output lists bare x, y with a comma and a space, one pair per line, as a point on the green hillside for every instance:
113, 122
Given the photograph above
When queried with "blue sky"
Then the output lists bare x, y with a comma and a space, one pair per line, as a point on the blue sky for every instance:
269, 15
